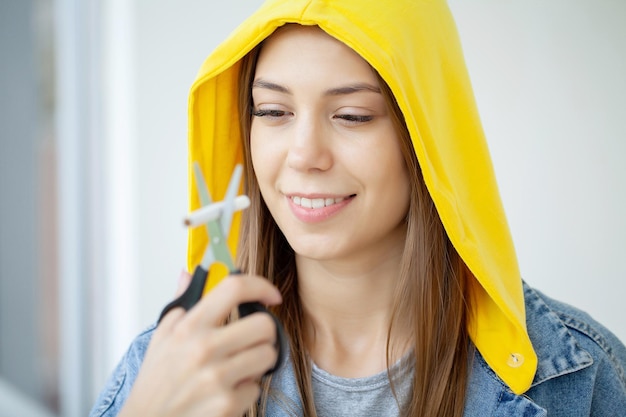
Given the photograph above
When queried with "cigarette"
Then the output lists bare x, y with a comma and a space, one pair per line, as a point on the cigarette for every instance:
213, 211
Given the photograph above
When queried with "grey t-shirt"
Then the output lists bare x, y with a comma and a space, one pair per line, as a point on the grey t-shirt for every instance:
368, 396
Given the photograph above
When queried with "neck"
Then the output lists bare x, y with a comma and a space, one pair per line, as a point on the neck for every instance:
348, 306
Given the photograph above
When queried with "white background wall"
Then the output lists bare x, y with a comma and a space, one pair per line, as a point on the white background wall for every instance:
549, 80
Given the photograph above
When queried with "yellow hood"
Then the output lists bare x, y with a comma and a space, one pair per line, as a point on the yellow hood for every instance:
414, 46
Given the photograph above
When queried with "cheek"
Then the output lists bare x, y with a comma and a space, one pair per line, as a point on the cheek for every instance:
266, 158
258, 151
396, 185
382, 159
393, 179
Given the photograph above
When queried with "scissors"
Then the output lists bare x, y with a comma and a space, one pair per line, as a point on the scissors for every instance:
218, 217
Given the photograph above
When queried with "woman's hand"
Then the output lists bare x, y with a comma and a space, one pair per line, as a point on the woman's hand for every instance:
196, 366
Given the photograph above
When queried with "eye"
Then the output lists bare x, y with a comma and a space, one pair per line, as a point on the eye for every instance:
270, 113
354, 118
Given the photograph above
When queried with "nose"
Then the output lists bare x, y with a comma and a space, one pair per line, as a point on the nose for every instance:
309, 148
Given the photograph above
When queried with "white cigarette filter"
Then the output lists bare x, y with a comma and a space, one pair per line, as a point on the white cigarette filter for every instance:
213, 211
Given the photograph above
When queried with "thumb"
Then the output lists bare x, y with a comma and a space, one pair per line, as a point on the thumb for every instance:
183, 282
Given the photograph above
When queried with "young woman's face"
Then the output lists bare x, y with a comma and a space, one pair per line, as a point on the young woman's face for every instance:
324, 149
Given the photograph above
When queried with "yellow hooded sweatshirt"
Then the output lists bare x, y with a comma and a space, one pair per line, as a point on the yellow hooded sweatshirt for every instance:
414, 46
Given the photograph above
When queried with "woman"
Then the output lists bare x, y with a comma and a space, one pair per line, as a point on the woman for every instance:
375, 233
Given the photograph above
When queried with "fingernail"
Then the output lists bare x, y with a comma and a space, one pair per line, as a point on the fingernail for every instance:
184, 275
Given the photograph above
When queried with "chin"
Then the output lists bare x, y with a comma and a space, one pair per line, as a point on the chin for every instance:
312, 248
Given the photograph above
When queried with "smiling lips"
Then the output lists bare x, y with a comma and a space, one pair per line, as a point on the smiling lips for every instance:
312, 210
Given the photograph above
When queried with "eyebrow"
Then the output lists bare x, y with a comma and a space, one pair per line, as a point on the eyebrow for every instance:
338, 91
351, 89
270, 86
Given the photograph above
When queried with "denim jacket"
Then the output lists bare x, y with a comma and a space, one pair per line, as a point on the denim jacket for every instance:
580, 372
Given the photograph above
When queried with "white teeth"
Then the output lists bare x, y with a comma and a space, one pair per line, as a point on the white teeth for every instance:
315, 203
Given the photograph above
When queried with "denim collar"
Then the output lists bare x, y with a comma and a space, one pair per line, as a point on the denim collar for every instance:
557, 351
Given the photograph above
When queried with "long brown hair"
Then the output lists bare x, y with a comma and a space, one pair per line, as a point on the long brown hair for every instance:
431, 290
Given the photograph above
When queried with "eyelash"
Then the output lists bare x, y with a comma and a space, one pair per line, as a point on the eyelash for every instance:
354, 118
349, 118
270, 113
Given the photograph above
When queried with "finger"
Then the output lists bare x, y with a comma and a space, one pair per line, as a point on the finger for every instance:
234, 402
183, 282
210, 397
215, 307
253, 330
247, 365
247, 393
169, 321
